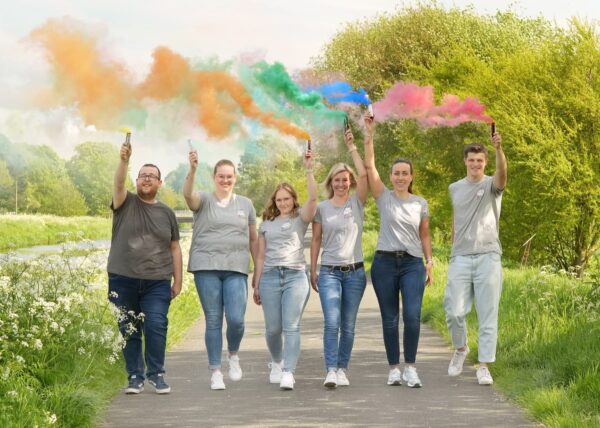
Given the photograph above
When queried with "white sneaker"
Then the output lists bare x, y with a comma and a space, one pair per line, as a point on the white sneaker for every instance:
235, 371
395, 377
484, 377
216, 380
342, 379
276, 372
287, 381
330, 379
411, 377
456, 363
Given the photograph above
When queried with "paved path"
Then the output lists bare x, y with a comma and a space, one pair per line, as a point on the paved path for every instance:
367, 402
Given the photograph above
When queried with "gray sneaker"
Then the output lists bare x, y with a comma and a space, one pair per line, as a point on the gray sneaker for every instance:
458, 360
135, 385
159, 384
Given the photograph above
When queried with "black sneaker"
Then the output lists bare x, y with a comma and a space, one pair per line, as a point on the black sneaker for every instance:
159, 384
135, 386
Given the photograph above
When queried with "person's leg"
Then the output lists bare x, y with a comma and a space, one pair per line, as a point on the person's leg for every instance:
487, 282
296, 290
412, 286
386, 285
154, 301
270, 297
330, 295
458, 299
210, 292
123, 293
235, 298
353, 288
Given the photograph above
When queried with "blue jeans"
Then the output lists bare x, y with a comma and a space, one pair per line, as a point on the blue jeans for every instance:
340, 294
152, 298
393, 276
283, 294
222, 291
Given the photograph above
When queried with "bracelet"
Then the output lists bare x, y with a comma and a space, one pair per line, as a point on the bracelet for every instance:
428, 261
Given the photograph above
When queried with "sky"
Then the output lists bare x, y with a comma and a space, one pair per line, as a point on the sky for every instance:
275, 30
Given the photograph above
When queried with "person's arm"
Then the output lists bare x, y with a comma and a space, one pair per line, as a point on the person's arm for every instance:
192, 199
427, 250
308, 210
258, 268
501, 174
177, 268
375, 184
362, 184
253, 235
315, 247
119, 190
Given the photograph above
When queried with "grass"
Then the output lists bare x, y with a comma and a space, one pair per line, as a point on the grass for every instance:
19, 231
60, 349
548, 342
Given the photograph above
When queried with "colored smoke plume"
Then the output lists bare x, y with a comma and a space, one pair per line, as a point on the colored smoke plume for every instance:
411, 101
82, 74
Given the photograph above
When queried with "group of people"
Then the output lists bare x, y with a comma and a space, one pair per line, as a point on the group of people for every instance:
145, 256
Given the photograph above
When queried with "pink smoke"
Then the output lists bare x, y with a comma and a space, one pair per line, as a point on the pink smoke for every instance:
411, 101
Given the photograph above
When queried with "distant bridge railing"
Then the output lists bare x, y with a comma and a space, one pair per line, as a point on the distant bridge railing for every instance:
184, 216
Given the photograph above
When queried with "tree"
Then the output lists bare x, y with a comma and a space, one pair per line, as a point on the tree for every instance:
92, 170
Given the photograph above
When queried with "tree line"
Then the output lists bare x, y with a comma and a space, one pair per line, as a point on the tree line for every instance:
539, 82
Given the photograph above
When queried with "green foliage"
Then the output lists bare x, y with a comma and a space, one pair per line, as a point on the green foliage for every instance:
92, 169
7, 188
18, 231
539, 83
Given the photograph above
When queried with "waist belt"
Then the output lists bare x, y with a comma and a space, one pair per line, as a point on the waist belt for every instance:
345, 268
393, 253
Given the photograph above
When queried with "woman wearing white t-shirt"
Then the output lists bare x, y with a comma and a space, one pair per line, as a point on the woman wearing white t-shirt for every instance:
280, 282
397, 268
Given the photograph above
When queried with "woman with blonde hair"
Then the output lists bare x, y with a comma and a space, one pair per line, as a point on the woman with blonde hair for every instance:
341, 282
280, 282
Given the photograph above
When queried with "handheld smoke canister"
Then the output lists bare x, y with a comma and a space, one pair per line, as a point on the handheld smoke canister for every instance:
493, 128
190, 145
370, 107
346, 124
308, 145
127, 139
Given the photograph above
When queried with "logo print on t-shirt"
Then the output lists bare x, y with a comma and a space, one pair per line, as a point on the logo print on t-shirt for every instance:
348, 212
480, 193
241, 213
286, 225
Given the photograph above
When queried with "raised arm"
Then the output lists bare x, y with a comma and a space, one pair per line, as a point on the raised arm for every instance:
375, 184
362, 184
192, 199
119, 190
315, 247
501, 174
177, 268
308, 210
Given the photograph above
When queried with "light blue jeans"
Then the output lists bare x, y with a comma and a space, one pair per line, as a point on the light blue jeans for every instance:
478, 277
283, 294
222, 292
340, 294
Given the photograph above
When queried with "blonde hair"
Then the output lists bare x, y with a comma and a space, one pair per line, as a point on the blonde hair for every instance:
335, 170
271, 211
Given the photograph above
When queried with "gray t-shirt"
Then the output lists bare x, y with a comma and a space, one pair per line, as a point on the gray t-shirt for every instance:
221, 237
476, 208
399, 223
285, 242
342, 231
141, 239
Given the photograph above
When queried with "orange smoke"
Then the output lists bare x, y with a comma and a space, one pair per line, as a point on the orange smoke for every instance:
169, 76
98, 87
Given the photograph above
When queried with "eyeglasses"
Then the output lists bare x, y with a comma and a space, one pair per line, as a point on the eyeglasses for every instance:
145, 177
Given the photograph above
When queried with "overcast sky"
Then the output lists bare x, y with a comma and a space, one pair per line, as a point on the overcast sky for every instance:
278, 30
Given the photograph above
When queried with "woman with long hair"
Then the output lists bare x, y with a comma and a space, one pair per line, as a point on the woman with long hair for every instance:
280, 282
